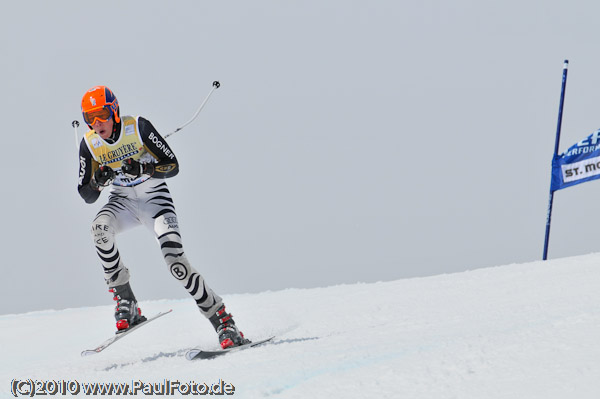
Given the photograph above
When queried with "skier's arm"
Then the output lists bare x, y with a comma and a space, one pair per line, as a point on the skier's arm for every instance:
87, 167
167, 165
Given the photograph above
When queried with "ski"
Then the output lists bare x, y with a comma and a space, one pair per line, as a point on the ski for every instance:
198, 353
120, 335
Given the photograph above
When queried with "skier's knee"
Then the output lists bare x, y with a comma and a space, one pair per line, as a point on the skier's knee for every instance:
102, 232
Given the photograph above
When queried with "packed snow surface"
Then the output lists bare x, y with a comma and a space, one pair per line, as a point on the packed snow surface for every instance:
518, 331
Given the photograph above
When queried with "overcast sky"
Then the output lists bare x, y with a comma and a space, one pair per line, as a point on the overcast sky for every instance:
350, 141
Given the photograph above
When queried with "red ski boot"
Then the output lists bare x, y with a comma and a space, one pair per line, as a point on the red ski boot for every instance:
127, 312
229, 335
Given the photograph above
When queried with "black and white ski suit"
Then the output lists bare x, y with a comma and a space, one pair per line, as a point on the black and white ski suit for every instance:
143, 201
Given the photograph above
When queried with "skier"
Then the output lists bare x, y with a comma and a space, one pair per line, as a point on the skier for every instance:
128, 154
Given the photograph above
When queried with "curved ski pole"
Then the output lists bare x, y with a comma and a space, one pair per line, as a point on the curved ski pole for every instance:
215, 86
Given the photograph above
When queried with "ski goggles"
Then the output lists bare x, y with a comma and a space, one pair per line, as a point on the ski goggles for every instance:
103, 115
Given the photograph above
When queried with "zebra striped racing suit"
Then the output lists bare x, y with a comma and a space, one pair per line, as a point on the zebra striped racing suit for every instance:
144, 201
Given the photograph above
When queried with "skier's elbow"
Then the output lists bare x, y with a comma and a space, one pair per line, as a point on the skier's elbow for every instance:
89, 200
88, 194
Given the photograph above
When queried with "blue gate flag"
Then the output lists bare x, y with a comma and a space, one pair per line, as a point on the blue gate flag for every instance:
580, 163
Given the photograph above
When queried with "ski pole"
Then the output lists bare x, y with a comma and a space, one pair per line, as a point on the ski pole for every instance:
215, 86
75, 125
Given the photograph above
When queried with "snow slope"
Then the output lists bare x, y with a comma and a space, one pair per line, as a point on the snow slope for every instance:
517, 331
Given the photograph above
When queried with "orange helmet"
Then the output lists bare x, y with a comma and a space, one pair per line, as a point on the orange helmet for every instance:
100, 103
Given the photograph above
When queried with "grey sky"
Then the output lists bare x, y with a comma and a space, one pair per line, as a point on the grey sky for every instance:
350, 141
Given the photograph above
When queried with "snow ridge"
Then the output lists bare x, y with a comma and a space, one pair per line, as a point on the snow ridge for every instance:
529, 330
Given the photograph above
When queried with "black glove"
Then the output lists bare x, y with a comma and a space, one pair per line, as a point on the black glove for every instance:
103, 176
133, 169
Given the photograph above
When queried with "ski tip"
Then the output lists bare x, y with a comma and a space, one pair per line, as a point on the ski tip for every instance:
262, 341
88, 353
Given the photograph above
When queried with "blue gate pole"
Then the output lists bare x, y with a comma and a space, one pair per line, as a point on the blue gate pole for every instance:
558, 126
